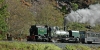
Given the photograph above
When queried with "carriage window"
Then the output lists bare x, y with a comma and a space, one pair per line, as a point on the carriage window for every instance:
82, 35
96, 35
93, 35
88, 34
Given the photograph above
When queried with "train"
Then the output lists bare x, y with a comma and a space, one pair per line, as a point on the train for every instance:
54, 34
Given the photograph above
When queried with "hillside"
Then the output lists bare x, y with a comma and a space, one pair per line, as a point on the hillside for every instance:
24, 13
20, 18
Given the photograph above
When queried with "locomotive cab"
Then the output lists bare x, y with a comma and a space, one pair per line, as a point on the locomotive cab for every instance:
39, 33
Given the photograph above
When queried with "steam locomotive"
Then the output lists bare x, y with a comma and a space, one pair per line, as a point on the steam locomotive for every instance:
48, 34
45, 34
39, 33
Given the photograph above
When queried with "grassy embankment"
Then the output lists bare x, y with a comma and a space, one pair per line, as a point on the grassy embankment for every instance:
28, 46
80, 47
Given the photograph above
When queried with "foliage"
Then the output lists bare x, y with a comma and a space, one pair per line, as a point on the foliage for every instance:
4, 45
49, 15
77, 47
20, 18
64, 10
3, 19
76, 26
3, 16
82, 27
70, 47
96, 28
74, 6
98, 48
26, 46
82, 47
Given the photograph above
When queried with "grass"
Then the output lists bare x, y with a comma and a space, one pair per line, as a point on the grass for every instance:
5, 45
80, 47
26, 46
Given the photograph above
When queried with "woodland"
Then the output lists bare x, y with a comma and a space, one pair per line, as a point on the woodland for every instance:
16, 16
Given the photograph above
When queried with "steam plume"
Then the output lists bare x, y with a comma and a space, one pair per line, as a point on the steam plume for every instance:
91, 15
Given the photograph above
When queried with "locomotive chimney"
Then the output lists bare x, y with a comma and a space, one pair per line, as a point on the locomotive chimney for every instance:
64, 23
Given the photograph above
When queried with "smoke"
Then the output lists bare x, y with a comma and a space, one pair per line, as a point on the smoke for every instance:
89, 15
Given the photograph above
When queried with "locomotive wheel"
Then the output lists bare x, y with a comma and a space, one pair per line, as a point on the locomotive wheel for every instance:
89, 42
54, 40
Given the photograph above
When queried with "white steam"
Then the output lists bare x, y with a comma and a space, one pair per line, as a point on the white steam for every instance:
91, 15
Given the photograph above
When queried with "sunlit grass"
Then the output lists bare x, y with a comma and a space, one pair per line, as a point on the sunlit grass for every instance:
26, 46
5, 45
80, 47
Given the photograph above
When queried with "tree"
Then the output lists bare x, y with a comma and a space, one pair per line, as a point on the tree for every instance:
47, 14
74, 6
76, 26
20, 18
3, 17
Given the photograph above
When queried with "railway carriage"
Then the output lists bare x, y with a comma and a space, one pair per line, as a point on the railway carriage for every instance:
92, 37
85, 36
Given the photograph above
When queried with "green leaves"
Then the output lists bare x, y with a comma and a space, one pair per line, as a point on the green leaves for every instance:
3, 15
64, 9
74, 6
76, 26
1, 1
